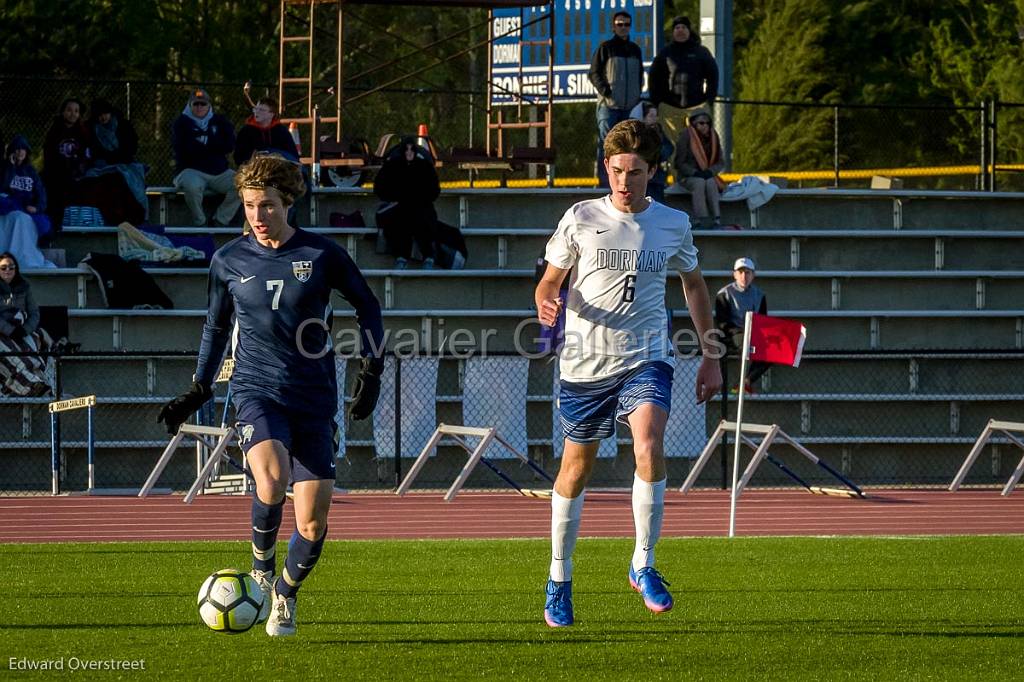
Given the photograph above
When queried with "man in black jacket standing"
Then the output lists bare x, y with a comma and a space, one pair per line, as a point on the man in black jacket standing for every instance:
684, 74
617, 73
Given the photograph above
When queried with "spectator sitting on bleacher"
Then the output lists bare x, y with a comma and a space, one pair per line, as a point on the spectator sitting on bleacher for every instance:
113, 136
22, 184
115, 183
20, 375
202, 140
407, 182
732, 303
263, 131
22, 205
66, 150
698, 163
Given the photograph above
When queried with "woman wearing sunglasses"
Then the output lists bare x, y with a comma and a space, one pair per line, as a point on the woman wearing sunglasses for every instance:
22, 371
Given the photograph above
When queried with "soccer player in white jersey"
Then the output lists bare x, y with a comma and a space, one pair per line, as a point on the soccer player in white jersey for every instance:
616, 363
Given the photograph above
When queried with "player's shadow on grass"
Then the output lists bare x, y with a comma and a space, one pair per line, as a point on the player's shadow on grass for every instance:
641, 631
997, 634
575, 639
110, 594
825, 589
118, 626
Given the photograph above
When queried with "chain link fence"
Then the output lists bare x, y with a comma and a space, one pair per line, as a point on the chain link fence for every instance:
129, 390
926, 146
906, 419
1005, 131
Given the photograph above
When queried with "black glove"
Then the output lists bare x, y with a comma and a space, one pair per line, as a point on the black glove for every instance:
176, 412
366, 389
18, 333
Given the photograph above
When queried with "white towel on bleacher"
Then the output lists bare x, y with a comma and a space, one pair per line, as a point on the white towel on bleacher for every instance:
756, 191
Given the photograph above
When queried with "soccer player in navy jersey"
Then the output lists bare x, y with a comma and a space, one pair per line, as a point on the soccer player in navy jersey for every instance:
616, 363
276, 283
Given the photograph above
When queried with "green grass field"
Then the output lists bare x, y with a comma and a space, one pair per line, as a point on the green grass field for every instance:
751, 608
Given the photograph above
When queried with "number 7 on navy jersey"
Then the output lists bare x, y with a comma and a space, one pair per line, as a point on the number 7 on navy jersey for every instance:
277, 286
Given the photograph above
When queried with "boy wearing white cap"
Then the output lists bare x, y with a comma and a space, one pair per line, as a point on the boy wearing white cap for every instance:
732, 303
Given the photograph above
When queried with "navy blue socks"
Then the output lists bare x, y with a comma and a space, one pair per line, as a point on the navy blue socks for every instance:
302, 557
266, 521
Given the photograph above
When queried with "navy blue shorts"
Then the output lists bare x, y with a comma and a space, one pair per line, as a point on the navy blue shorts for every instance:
588, 411
310, 441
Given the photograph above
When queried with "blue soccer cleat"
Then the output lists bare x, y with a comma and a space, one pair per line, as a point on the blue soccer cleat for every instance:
651, 586
558, 607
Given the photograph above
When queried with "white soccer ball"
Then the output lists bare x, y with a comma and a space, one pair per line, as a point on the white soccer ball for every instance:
230, 601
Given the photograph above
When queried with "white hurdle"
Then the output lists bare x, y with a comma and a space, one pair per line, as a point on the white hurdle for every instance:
770, 433
992, 428
223, 434
486, 436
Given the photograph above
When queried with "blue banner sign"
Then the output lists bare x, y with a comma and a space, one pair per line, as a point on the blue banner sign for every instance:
580, 26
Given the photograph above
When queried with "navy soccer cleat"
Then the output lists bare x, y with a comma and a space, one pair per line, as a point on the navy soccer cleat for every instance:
651, 586
558, 607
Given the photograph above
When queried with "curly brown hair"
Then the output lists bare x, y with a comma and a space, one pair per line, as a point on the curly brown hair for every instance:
271, 170
634, 137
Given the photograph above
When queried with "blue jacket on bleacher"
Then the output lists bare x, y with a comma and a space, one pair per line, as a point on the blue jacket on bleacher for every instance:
203, 150
20, 180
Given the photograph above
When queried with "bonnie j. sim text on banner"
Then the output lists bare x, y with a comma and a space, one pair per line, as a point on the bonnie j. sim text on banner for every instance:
580, 26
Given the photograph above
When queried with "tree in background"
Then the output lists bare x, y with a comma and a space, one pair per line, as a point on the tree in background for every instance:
894, 52
881, 52
439, 95
785, 61
186, 40
975, 51
675, 8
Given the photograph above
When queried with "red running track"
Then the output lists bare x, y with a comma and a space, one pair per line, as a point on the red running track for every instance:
505, 515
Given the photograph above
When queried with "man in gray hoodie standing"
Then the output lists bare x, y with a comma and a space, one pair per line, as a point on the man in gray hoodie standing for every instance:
617, 73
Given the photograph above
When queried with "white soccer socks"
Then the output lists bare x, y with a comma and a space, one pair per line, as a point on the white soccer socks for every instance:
565, 526
648, 510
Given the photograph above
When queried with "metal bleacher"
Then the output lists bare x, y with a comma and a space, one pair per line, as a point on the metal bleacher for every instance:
901, 292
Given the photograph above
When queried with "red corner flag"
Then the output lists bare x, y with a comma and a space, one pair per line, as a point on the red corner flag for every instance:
776, 340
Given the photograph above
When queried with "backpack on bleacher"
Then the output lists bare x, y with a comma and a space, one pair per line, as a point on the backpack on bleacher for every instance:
450, 250
124, 284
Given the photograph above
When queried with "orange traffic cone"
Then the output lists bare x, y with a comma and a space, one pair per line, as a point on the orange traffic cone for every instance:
423, 139
293, 128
